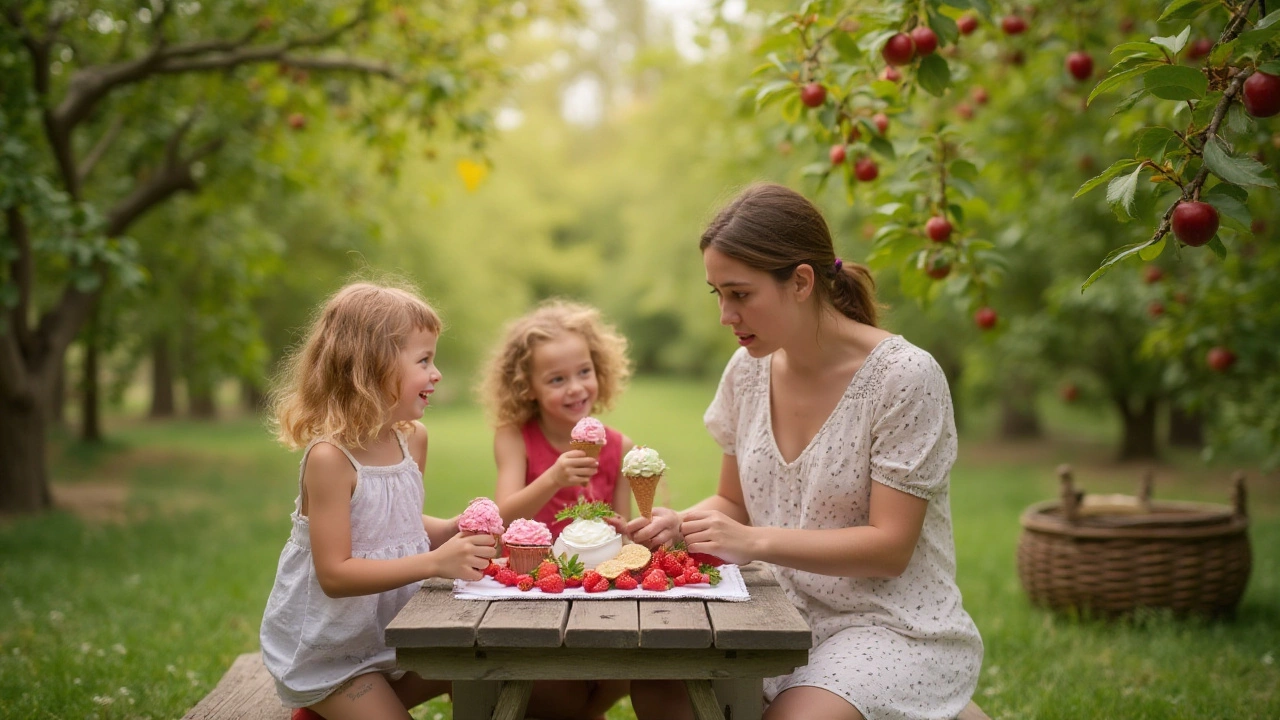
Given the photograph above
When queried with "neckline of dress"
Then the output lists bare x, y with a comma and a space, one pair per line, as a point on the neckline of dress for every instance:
768, 395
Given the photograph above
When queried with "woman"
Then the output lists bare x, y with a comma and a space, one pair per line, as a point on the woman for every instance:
838, 441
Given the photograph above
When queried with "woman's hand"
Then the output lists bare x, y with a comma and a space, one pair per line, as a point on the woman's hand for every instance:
660, 529
464, 556
573, 469
714, 533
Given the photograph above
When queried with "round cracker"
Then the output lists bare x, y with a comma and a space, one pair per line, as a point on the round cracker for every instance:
611, 569
634, 556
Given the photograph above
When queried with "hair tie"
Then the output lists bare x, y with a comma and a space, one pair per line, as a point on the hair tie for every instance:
839, 264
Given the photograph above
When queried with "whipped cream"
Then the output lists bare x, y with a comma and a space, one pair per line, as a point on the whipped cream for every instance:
588, 533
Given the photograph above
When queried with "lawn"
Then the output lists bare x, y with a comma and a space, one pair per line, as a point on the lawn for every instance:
134, 610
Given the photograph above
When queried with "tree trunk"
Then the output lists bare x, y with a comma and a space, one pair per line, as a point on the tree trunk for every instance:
1186, 429
1139, 441
90, 425
200, 400
162, 401
1018, 417
58, 401
24, 482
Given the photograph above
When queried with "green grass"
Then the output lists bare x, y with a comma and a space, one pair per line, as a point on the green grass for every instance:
138, 616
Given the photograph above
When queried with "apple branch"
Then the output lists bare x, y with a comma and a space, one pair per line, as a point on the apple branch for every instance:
173, 176
100, 148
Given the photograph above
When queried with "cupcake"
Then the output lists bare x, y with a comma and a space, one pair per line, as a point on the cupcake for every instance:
588, 436
482, 517
643, 469
589, 537
528, 542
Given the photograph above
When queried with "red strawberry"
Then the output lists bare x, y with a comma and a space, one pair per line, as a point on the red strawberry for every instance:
600, 585
506, 576
671, 566
696, 578
552, 583
679, 554
492, 568
590, 578
655, 580
573, 582
679, 581
626, 581
546, 569
707, 559
525, 582
655, 560
711, 574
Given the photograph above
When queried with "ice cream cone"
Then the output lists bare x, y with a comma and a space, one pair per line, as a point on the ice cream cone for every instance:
643, 488
591, 449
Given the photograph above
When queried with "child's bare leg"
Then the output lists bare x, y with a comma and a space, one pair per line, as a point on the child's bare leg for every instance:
363, 697
810, 703
661, 700
603, 694
413, 690
558, 699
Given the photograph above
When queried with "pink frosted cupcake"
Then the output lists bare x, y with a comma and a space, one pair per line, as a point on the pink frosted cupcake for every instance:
529, 543
482, 517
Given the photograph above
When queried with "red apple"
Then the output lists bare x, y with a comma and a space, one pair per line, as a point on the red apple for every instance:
837, 154
1127, 25
1195, 223
297, 121
985, 318
813, 94
1262, 94
1155, 309
1152, 274
1220, 359
938, 229
979, 95
866, 169
937, 266
926, 40
1080, 65
1258, 226
899, 49
1017, 57
891, 74
882, 123
967, 24
964, 110
1069, 392
1013, 25
1199, 48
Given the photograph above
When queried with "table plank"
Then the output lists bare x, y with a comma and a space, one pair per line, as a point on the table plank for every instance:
507, 663
603, 624
432, 618
768, 620
674, 624
523, 624
757, 573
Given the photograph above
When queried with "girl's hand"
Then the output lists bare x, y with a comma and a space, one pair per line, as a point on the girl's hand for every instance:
574, 469
660, 529
464, 556
713, 532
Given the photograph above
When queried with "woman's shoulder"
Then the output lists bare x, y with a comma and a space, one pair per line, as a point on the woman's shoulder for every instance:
904, 365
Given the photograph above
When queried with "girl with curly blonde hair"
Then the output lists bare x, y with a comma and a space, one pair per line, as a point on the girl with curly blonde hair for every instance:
352, 396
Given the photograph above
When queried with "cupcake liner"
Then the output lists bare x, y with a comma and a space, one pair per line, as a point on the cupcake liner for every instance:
524, 559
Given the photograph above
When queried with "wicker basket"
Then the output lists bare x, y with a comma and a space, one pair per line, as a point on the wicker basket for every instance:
1108, 555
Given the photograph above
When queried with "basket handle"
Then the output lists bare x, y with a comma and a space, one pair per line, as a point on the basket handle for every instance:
1071, 497
1239, 496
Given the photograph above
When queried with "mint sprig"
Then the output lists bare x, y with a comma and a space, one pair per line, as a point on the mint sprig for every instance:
584, 510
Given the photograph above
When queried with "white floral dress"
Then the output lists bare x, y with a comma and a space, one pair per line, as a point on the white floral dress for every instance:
312, 643
895, 648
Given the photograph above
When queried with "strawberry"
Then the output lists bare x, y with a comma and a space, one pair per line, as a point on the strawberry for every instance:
711, 573
695, 578
506, 576
655, 559
655, 580
600, 585
679, 581
525, 582
626, 581
492, 568
572, 582
590, 577
671, 566
552, 583
707, 559
570, 568
679, 552
546, 569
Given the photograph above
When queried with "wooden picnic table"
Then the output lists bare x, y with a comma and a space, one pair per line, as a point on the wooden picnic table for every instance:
494, 650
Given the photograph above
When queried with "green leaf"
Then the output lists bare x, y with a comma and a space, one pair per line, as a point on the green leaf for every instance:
1151, 252
1145, 49
1120, 192
1127, 104
1235, 170
934, 75
1116, 168
1174, 44
1234, 213
1116, 256
844, 44
963, 169
882, 147
1122, 72
1257, 38
1218, 248
1272, 18
1153, 142
1185, 9
1176, 82
771, 91
1270, 68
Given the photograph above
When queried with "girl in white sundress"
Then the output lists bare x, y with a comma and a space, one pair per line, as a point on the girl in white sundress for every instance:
838, 442
352, 396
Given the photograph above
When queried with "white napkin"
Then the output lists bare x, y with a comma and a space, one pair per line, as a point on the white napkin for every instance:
731, 588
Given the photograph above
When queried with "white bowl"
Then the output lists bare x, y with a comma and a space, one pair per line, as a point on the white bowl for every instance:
589, 556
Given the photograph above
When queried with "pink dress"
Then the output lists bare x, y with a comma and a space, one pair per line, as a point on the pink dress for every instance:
540, 455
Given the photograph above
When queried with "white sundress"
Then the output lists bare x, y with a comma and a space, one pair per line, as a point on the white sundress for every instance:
312, 643
896, 648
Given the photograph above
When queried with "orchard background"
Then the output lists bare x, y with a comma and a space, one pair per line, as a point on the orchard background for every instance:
1071, 205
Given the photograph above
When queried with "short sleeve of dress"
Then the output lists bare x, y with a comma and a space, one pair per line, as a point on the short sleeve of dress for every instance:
721, 417
913, 436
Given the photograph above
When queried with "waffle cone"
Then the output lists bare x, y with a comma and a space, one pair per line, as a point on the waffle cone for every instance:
591, 449
643, 488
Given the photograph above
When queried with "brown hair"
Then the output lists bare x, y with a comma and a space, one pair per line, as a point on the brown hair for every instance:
775, 229
505, 383
342, 381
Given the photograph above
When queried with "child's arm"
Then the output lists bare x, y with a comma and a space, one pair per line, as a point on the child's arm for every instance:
622, 489
328, 481
438, 530
516, 499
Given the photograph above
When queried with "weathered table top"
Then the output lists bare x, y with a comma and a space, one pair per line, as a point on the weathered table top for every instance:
734, 643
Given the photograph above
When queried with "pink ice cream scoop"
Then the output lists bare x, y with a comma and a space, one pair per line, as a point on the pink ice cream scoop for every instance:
527, 532
481, 516
588, 430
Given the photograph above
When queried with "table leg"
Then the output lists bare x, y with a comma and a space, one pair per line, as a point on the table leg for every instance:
705, 704
742, 698
475, 699
513, 699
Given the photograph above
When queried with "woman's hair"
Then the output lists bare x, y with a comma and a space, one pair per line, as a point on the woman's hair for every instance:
506, 384
343, 381
775, 229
